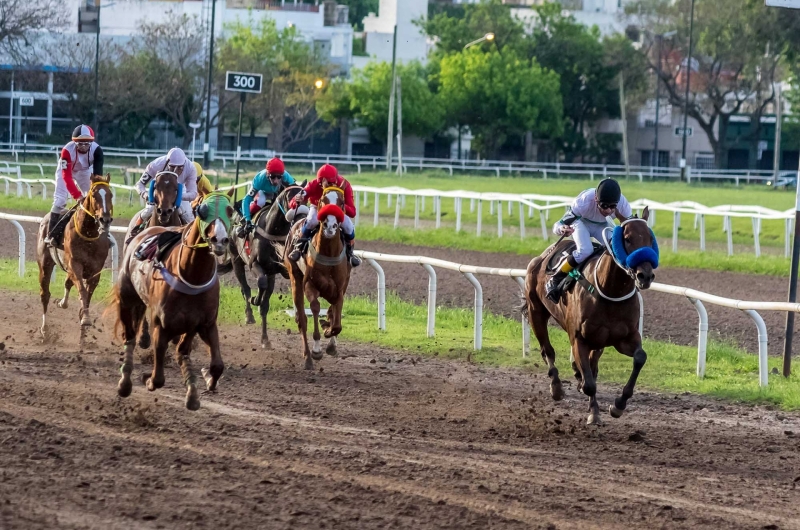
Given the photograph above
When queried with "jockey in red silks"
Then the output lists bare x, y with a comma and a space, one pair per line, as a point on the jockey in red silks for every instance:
327, 176
79, 160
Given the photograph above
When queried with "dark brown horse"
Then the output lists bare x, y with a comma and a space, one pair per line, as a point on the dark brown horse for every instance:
86, 246
609, 316
181, 290
324, 272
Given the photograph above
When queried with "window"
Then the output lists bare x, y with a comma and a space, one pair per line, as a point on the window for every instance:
704, 161
663, 158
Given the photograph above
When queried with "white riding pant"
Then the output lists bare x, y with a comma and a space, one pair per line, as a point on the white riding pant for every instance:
184, 212
583, 234
312, 222
84, 181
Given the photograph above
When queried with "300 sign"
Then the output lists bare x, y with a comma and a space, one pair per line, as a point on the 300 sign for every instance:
243, 82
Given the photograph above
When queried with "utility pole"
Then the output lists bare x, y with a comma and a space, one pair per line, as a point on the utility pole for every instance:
96, 120
778, 128
390, 134
242, 98
624, 115
399, 127
686, 97
206, 147
654, 159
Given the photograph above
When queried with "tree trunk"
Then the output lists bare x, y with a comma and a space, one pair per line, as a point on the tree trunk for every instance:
530, 151
344, 135
721, 147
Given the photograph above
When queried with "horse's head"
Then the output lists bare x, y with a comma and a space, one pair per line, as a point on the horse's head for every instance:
214, 214
330, 211
164, 193
100, 202
635, 247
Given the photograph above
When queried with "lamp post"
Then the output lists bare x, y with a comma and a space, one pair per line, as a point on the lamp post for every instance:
210, 76
318, 84
488, 37
194, 127
686, 97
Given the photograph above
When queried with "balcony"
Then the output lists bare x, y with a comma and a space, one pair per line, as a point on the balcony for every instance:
273, 5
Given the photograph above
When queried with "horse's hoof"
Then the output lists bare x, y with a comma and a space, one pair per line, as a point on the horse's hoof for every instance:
316, 355
62, 303
266, 345
125, 387
593, 419
250, 319
615, 412
145, 378
331, 350
192, 399
86, 321
309, 364
557, 391
144, 342
150, 384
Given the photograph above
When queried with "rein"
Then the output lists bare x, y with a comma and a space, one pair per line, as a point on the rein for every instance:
627, 270
89, 197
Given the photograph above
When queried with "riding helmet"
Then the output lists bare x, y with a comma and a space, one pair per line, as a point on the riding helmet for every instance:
329, 173
608, 191
275, 166
83, 133
176, 157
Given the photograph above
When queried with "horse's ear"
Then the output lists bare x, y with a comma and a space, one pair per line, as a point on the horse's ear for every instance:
646, 213
230, 192
303, 184
619, 216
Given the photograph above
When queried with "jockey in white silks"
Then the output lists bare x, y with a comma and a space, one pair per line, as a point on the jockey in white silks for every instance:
176, 162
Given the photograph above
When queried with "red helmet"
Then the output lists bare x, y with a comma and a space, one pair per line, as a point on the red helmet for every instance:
329, 173
275, 166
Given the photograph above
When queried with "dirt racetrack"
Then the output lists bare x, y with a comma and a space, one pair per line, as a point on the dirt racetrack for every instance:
372, 439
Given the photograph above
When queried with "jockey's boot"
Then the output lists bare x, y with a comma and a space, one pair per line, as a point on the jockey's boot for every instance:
54, 218
355, 261
300, 247
553, 286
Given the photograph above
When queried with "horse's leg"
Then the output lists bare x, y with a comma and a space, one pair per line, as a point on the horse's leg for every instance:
264, 310
144, 336
263, 282
126, 318
316, 351
183, 356
46, 266
581, 353
300, 317
156, 379
538, 317
241, 276
91, 285
633, 349
77, 280
63, 303
210, 335
594, 361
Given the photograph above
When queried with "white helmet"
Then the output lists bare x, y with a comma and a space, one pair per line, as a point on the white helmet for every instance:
176, 157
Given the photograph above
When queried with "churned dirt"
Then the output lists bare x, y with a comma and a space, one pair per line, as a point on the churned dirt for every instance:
370, 439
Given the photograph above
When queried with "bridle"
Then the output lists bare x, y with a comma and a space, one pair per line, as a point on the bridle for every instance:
629, 271
90, 200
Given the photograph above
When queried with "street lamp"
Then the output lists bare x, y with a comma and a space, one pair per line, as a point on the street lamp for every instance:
319, 83
194, 127
686, 98
488, 37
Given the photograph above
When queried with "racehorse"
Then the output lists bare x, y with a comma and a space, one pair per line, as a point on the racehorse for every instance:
599, 314
262, 258
86, 246
323, 272
165, 194
181, 288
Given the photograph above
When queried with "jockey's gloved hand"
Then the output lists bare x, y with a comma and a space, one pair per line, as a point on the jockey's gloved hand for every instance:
144, 195
248, 226
565, 230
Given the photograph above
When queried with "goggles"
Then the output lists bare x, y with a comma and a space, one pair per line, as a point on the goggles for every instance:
608, 205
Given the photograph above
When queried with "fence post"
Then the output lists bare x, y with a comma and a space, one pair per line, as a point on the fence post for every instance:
763, 368
397, 213
438, 206
521, 221
727, 221
375, 215
702, 337
381, 292
480, 215
431, 300
545, 232
756, 236
676, 221
499, 220
787, 235
458, 214
702, 232
478, 307
472, 205
114, 258
416, 212
21, 252
526, 330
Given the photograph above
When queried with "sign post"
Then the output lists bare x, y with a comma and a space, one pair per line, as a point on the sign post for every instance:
787, 343
241, 82
25, 101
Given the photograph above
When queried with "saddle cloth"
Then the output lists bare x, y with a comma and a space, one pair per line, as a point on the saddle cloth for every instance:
157, 247
568, 282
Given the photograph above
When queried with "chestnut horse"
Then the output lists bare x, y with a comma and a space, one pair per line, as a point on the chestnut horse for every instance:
181, 289
608, 316
263, 258
323, 272
164, 194
86, 245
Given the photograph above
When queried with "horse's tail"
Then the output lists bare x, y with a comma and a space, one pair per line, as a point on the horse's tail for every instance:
112, 311
522, 308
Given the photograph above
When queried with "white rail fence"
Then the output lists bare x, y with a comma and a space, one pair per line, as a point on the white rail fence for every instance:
469, 271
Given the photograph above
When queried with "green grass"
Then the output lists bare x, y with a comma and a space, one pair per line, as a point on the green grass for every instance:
731, 373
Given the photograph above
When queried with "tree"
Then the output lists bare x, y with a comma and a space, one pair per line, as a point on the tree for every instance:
498, 94
18, 18
369, 100
290, 68
738, 49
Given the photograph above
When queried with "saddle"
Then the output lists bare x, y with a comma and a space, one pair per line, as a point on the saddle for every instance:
57, 235
572, 277
157, 247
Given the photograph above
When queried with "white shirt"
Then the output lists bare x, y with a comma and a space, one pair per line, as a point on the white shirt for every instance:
585, 206
188, 177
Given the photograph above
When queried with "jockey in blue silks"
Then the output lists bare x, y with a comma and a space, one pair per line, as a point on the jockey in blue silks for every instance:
267, 185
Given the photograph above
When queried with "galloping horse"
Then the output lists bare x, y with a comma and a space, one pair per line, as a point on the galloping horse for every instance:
181, 288
86, 246
262, 257
165, 194
323, 272
599, 314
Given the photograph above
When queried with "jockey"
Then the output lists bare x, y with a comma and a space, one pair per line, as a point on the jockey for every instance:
327, 176
176, 162
586, 219
270, 182
80, 159
204, 186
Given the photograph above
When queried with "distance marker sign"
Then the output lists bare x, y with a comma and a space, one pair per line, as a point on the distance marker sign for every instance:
243, 82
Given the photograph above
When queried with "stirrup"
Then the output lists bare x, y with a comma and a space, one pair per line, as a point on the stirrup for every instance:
299, 249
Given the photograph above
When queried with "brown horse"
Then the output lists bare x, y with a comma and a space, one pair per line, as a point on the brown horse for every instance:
323, 272
165, 198
181, 289
86, 246
600, 311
